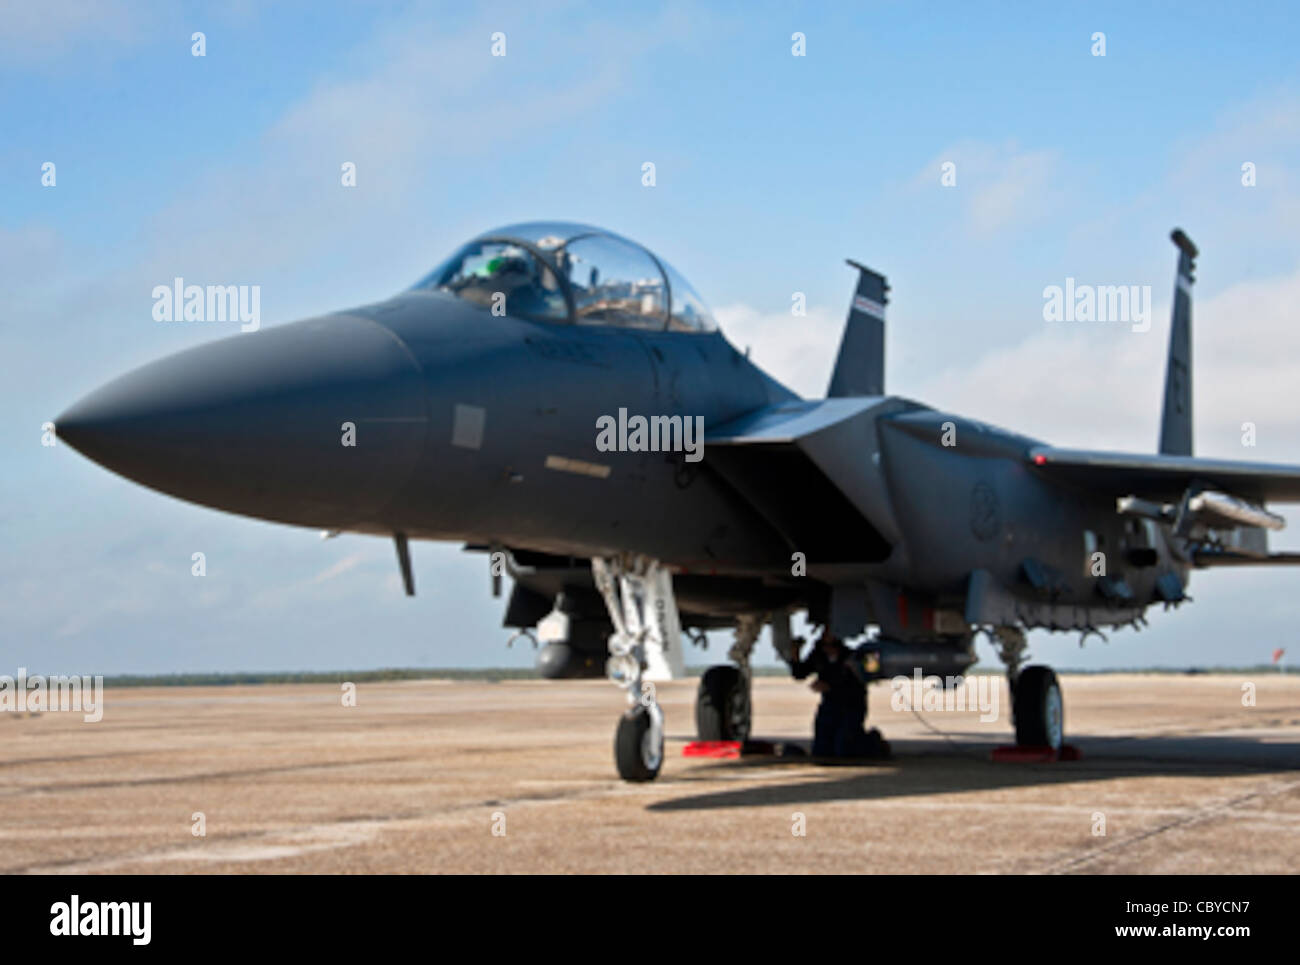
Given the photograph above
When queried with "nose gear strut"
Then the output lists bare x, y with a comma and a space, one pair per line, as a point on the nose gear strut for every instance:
645, 646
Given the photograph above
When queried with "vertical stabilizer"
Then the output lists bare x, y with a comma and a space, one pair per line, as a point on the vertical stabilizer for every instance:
860, 366
1176, 419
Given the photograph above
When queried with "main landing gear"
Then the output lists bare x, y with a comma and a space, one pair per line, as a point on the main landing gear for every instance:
1037, 708
723, 703
645, 645
724, 706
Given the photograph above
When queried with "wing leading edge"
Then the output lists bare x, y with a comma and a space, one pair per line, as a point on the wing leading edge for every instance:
1166, 477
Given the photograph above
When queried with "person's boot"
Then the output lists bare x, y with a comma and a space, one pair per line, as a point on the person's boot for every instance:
875, 746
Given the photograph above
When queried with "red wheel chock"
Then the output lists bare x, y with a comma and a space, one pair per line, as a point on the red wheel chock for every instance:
729, 749
712, 749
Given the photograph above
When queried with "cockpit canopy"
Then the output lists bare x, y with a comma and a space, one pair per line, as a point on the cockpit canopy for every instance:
559, 272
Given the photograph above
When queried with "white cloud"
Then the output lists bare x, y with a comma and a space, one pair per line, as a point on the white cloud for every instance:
999, 185
41, 33
338, 569
1100, 384
1090, 384
798, 351
432, 103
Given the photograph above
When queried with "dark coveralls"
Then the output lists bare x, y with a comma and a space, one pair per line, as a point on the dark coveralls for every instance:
838, 730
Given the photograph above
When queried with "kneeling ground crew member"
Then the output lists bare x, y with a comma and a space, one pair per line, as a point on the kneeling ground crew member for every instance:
838, 730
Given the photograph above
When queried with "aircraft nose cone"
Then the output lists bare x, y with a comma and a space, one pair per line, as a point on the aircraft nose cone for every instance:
259, 423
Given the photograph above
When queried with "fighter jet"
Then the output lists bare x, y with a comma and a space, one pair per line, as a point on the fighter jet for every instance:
560, 398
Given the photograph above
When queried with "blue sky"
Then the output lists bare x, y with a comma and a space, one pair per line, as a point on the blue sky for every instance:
771, 169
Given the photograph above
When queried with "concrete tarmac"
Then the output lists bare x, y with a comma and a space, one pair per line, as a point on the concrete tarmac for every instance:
1178, 775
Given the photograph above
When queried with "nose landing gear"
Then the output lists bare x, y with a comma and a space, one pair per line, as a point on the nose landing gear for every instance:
639, 742
646, 643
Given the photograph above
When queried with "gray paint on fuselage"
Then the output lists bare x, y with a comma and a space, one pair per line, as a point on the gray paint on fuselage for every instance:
543, 387
977, 506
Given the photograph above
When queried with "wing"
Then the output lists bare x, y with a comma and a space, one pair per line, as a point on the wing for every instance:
1198, 495
1166, 477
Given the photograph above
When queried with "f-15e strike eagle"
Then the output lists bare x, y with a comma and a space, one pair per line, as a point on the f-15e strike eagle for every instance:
533, 397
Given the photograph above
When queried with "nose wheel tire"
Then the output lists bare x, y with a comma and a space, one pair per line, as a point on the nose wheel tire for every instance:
722, 711
638, 746
1038, 708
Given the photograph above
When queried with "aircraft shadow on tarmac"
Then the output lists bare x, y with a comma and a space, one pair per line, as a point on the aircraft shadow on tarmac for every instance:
932, 766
